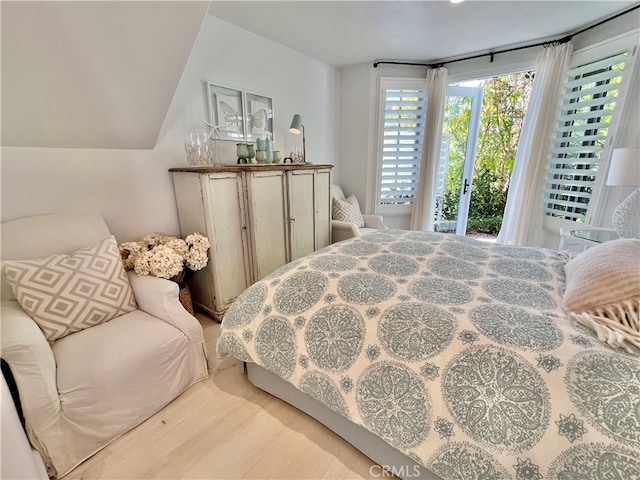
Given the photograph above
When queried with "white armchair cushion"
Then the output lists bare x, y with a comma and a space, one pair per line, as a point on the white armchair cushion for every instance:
336, 192
93, 380
347, 211
69, 293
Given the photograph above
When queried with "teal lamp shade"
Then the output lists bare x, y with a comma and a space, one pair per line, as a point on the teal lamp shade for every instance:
297, 128
296, 124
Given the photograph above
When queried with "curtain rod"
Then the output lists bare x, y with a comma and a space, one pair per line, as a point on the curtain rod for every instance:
492, 54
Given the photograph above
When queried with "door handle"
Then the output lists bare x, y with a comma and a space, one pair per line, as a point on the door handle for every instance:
465, 189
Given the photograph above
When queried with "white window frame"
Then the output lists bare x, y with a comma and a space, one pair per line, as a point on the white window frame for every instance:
388, 83
494, 69
591, 54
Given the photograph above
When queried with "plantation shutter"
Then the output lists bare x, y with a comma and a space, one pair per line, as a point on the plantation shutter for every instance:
588, 106
402, 145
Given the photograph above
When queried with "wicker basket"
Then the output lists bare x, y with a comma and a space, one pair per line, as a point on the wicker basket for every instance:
185, 300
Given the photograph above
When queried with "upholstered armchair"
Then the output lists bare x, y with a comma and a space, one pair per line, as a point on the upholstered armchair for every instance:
20, 461
94, 350
347, 220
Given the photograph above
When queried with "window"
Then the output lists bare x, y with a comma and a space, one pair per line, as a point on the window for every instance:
401, 133
590, 105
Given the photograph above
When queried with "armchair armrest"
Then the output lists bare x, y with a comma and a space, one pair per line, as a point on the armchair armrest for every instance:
29, 355
373, 221
159, 297
19, 459
343, 230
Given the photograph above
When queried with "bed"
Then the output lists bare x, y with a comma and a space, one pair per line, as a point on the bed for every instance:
441, 356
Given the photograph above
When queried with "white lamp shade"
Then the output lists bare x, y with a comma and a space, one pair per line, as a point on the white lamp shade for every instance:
625, 167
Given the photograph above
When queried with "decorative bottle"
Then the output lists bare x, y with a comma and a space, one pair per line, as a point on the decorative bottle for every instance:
269, 151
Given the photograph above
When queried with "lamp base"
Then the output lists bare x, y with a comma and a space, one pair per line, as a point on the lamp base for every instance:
626, 216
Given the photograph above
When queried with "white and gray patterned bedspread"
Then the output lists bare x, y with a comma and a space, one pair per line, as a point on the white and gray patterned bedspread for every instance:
454, 351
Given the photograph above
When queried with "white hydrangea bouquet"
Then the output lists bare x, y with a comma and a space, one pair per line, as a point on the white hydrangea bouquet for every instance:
166, 256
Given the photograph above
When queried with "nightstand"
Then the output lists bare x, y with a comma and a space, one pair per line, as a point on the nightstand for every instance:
579, 239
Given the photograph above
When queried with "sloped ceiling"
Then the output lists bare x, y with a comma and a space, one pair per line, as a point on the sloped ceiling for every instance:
92, 74
102, 74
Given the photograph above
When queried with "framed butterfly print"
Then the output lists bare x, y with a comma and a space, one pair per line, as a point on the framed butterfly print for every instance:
226, 111
259, 116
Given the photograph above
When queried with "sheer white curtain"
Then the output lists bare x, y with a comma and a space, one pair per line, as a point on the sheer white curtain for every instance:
424, 202
523, 214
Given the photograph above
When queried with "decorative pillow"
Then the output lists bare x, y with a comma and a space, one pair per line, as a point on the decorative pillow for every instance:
68, 293
604, 282
347, 211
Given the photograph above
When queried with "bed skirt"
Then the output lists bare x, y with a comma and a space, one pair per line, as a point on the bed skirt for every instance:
390, 460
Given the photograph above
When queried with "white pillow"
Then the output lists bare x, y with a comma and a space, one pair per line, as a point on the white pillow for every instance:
603, 282
68, 293
347, 211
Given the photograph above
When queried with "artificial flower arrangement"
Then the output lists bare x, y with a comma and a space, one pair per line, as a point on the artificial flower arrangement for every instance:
166, 256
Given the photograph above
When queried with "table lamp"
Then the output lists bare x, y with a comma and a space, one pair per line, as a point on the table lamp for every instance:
625, 170
297, 127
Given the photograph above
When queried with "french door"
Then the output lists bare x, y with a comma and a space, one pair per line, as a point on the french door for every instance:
457, 158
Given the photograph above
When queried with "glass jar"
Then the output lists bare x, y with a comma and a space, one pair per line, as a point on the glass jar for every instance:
242, 151
261, 156
199, 151
251, 154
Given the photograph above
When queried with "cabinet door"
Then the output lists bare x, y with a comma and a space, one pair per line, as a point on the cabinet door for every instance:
323, 208
301, 185
194, 217
224, 198
267, 215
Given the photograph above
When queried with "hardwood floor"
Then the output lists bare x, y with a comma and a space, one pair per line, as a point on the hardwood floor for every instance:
225, 428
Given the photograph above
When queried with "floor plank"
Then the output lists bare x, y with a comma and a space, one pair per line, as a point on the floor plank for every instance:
225, 428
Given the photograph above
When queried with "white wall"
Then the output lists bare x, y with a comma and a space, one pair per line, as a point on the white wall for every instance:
230, 56
359, 113
132, 189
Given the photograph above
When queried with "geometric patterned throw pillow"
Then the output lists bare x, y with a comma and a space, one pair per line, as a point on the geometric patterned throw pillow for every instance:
68, 293
347, 211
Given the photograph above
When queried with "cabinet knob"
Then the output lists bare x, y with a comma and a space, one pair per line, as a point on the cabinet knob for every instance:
293, 219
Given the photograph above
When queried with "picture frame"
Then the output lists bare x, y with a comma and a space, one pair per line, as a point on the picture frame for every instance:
259, 115
226, 111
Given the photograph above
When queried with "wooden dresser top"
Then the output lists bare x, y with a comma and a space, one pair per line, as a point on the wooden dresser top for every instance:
251, 167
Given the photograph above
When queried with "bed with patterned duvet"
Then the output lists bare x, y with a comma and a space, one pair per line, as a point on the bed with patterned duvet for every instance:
455, 352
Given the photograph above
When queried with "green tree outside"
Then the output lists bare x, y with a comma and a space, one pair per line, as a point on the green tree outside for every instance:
505, 102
